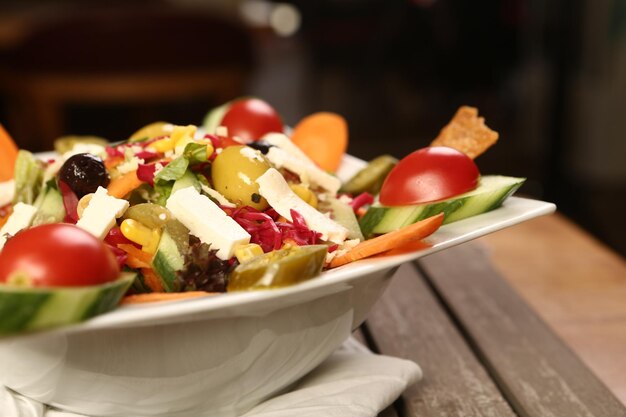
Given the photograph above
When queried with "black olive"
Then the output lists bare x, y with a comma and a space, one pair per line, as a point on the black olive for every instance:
259, 145
84, 173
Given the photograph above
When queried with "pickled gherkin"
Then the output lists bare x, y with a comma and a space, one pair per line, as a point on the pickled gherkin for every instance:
279, 268
370, 179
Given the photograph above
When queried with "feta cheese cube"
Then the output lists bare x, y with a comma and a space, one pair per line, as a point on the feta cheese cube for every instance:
207, 221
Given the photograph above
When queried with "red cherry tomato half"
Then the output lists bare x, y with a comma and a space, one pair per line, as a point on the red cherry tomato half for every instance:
250, 119
429, 174
57, 255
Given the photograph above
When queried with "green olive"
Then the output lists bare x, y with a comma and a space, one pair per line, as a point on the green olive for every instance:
151, 215
234, 172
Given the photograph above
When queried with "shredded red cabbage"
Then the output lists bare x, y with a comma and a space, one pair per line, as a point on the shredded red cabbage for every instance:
70, 202
146, 172
115, 237
361, 200
271, 234
120, 255
113, 151
145, 155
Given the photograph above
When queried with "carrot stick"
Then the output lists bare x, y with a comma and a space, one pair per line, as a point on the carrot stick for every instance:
323, 137
151, 279
136, 257
163, 296
113, 161
8, 155
389, 241
121, 186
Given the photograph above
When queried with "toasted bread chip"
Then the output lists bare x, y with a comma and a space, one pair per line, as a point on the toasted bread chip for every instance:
467, 133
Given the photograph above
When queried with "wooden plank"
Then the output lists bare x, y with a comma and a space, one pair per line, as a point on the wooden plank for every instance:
578, 289
409, 322
537, 372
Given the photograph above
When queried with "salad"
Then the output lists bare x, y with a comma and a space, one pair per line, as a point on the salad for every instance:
233, 205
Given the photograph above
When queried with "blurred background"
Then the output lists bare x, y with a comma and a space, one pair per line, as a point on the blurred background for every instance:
550, 77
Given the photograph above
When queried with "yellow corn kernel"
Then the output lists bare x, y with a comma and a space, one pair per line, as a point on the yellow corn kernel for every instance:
141, 235
163, 145
305, 194
246, 252
182, 135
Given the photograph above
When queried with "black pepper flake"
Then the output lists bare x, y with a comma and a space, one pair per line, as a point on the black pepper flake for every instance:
255, 197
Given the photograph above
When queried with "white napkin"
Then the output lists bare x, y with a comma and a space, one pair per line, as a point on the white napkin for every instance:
352, 382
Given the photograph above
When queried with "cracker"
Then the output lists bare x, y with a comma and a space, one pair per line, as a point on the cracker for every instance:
467, 133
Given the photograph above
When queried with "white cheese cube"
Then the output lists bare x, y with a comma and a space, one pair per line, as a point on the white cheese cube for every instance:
100, 214
308, 172
20, 219
207, 221
274, 188
283, 142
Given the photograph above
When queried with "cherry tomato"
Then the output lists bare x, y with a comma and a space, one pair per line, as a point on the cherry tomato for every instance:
429, 174
250, 119
57, 255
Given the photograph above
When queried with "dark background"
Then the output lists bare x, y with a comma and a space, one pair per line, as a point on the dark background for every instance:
549, 76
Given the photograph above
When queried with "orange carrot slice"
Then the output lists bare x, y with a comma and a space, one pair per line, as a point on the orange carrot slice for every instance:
8, 155
121, 186
163, 296
389, 241
152, 280
136, 257
323, 137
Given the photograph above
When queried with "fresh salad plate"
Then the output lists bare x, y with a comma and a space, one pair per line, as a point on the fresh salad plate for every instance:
217, 355
250, 250
515, 210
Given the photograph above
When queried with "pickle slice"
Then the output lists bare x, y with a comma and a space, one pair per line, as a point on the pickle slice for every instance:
370, 179
279, 268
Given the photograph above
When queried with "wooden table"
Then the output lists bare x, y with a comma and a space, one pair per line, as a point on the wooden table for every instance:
529, 321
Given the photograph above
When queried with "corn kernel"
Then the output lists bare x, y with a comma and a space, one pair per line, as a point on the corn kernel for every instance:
182, 135
246, 252
141, 235
305, 194
163, 145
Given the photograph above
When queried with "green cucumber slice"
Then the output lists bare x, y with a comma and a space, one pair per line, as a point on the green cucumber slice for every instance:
25, 309
490, 193
344, 215
50, 208
170, 255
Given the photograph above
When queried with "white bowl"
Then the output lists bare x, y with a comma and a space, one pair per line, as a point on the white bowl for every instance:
216, 355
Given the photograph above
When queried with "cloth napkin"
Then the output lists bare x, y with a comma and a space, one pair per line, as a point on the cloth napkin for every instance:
352, 382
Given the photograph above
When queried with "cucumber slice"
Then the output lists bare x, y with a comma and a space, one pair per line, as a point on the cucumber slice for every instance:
490, 193
27, 309
214, 117
170, 255
50, 208
344, 215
